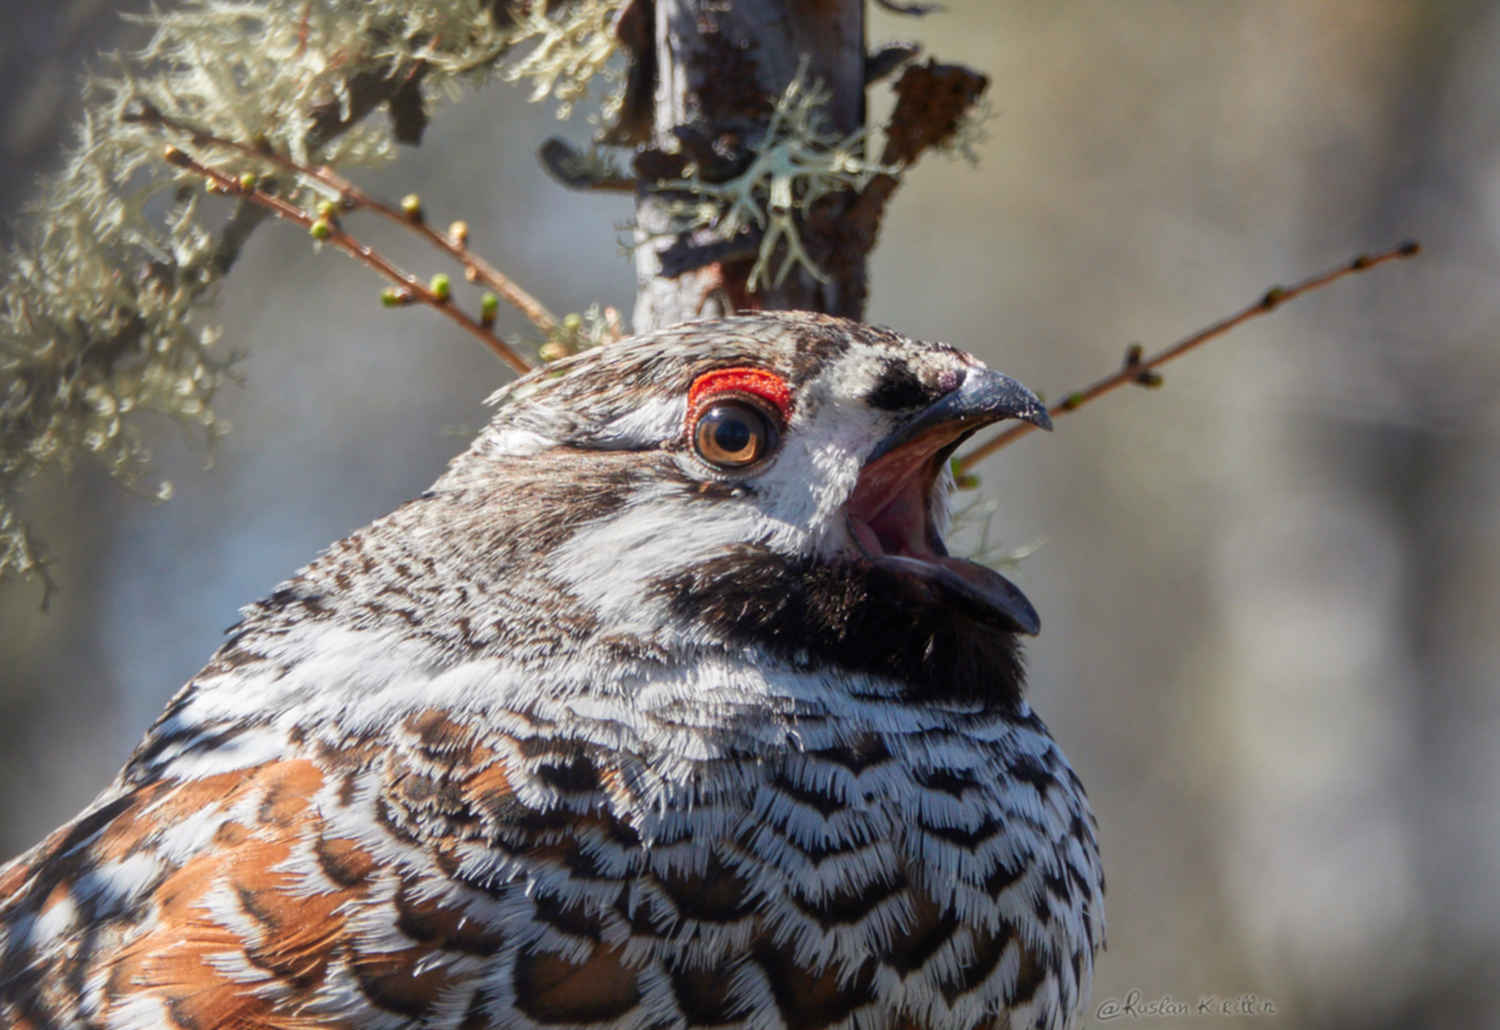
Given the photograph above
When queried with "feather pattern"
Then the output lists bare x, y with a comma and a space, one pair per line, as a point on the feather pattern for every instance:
590, 735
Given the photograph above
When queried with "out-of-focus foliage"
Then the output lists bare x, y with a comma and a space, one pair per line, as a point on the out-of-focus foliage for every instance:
100, 316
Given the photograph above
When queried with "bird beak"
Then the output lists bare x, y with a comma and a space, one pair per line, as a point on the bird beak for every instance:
985, 396
890, 516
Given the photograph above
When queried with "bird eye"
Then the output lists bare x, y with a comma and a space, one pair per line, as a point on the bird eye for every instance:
732, 434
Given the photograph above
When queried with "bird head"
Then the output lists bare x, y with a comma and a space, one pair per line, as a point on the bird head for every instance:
771, 481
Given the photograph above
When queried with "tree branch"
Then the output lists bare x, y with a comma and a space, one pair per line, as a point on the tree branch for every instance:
325, 229
352, 198
1142, 371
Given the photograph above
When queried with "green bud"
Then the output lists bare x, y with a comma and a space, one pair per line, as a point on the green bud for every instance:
248, 181
320, 230
961, 479
489, 307
440, 286
411, 207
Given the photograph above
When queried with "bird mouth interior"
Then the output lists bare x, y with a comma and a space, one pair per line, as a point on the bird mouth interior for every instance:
890, 519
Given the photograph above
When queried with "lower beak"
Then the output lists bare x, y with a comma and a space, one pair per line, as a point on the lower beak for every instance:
889, 512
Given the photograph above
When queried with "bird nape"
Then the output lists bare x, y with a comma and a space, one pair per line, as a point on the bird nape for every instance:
665, 707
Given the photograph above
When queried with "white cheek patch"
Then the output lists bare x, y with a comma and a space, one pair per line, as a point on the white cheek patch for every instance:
613, 564
813, 478
793, 508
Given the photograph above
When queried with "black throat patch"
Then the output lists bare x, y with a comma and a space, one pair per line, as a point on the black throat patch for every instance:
853, 617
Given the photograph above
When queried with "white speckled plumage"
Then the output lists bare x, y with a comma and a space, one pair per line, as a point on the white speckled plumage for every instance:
595, 734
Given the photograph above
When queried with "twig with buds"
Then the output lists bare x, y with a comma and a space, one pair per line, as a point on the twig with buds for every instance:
409, 213
1141, 370
324, 228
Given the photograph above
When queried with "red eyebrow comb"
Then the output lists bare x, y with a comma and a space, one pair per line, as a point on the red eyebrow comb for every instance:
757, 382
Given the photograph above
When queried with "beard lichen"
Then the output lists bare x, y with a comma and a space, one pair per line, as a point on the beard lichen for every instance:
101, 316
569, 46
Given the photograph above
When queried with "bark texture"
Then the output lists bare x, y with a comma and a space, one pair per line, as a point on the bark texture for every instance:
718, 70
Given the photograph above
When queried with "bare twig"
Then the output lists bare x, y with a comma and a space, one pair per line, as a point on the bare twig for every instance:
1140, 370
409, 288
918, 10
352, 198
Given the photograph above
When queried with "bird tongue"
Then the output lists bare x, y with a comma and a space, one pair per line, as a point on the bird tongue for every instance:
889, 519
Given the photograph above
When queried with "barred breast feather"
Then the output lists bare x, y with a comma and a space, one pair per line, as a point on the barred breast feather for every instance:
625, 724
885, 868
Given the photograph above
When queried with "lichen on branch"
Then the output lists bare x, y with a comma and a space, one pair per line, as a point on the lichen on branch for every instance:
101, 315
565, 50
796, 163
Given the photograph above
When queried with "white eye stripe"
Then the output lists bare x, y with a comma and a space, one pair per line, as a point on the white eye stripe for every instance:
648, 423
643, 427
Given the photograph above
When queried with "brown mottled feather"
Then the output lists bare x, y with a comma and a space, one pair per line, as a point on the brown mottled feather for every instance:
590, 734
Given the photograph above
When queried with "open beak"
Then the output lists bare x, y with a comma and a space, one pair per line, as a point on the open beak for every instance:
890, 511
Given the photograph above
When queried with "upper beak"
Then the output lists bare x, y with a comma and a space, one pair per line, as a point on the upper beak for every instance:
983, 397
889, 510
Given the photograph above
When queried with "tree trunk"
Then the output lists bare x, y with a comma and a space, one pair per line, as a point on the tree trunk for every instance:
719, 69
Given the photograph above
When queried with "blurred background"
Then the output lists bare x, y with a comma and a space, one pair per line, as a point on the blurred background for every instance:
1270, 590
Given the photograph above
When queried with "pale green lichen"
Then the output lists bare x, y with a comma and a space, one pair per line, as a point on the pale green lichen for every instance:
797, 162
100, 316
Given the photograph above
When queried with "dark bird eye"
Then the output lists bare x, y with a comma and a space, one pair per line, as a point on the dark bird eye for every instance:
732, 434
